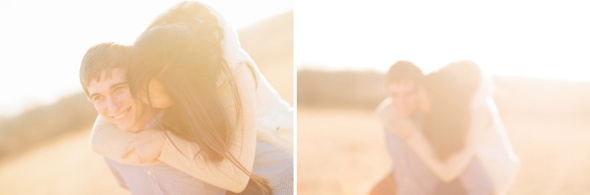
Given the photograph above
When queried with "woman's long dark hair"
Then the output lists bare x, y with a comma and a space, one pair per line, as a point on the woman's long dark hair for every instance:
187, 65
450, 91
182, 49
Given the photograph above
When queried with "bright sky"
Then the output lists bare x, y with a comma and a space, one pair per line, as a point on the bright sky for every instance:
546, 39
42, 42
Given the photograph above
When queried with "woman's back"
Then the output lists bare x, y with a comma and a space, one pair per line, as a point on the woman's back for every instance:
414, 176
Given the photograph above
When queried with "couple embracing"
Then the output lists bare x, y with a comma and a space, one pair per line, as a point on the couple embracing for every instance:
443, 133
184, 110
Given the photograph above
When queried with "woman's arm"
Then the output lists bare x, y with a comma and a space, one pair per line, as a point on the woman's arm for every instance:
118, 145
402, 127
454, 166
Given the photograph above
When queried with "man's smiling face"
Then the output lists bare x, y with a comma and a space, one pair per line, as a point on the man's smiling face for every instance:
112, 99
404, 97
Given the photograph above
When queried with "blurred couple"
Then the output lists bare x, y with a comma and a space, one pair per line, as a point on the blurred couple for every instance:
443, 133
185, 110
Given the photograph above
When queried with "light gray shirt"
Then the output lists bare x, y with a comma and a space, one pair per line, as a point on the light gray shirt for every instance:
159, 179
270, 163
413, 177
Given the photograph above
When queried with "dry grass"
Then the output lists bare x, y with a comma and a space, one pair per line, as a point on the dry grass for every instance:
342, 151
270, 44
65, 165
339, 151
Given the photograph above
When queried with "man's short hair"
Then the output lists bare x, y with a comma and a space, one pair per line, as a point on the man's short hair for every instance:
100, 58
404, 71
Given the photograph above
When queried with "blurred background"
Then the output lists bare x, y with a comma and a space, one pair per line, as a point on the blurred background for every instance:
535, 52
45, 119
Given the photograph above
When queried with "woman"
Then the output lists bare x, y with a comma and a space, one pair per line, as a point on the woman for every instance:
461, 141
214, 104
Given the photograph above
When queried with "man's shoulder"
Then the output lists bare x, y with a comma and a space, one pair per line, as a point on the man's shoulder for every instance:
383, 106
386, 112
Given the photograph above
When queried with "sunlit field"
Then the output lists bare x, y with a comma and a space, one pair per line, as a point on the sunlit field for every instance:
339, 151
65, 165
342, 151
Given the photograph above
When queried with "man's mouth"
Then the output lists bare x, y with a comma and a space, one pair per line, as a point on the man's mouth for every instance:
121, 115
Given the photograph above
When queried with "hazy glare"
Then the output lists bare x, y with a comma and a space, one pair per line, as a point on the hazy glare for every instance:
523, 38
44, 41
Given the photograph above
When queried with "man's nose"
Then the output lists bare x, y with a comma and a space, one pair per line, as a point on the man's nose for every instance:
113, 103
404, 99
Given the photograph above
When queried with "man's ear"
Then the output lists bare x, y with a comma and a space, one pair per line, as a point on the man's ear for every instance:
88, 98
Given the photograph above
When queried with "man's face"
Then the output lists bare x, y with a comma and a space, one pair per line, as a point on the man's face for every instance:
404, 97
112, 99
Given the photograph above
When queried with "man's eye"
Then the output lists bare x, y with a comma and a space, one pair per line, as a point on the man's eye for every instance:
97, 98
120, 89
410, 94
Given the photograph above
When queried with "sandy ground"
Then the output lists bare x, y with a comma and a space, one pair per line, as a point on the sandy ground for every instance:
65, 165
343, 152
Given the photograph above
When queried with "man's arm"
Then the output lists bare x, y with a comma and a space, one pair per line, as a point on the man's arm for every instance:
387, 184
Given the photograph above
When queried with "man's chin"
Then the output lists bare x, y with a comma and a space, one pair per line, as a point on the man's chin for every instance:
128, 128
406, 114
122, 126
134, 130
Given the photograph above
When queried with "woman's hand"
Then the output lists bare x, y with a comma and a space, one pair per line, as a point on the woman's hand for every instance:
148, 145
402, 127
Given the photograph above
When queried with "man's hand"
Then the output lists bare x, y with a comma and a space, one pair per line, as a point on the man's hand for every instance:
148, 145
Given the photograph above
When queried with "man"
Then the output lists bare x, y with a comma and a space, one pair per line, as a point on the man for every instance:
104, 79
402, 86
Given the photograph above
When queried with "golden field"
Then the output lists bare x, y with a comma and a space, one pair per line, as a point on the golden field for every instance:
342, 151
65, 165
